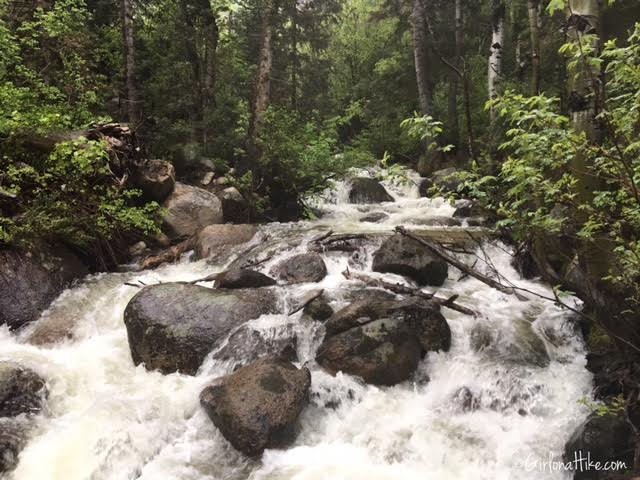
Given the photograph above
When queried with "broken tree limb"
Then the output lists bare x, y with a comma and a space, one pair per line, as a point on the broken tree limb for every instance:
438, 252
415, 292
310, 297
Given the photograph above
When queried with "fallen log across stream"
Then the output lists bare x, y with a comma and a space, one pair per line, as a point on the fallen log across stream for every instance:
440, 253
405, 290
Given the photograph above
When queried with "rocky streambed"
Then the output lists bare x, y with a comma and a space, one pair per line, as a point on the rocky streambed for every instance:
282, 355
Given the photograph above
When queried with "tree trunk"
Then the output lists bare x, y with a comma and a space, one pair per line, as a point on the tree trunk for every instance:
533, 7
495, 58
212, 36
453, 127
263, 86
132, 102
420, 56
294, 55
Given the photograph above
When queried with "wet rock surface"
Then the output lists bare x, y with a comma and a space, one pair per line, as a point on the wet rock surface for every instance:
189, 209
403, 256
172, 327
14, 434
367, 190
234, 279
218, 242
258, 406
31, 280
606, 438
382, 342
22, 391
303, 268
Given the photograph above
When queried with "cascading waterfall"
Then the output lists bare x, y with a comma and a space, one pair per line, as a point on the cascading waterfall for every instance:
466, 414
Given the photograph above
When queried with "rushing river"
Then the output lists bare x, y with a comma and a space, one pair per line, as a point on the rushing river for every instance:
107, 419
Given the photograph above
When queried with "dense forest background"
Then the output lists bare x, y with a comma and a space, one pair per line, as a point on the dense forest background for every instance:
536, 104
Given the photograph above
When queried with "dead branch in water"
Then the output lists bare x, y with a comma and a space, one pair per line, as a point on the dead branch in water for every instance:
306, 301
337, 243
441, 254
415, 292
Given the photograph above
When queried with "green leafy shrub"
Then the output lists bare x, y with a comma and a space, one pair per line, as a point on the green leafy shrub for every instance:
70, 195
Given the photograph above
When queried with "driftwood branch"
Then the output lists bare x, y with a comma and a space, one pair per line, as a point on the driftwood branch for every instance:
415, 292
440, 253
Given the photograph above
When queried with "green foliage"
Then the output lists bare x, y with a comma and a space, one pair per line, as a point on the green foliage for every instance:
539, 191
300, 158
71, 195
49, 83
615, 406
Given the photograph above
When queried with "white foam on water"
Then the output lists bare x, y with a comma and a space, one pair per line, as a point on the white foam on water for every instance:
109, 420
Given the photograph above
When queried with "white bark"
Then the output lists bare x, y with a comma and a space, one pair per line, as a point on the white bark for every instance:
495, 58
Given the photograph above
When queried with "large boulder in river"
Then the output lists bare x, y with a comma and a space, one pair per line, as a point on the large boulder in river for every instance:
368, 190
189, 209
243, 278
172, 327
22, 391
403, 256
608, 438
156, 179
217, 241
304, 268
31, 280
258, 406
382, 341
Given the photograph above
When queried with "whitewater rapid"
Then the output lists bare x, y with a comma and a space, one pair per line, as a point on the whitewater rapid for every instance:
106, 419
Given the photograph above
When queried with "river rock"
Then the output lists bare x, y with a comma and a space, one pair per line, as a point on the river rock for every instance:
258, 406
234, 279
248, 344
403, 256
156, 179
608, 438
218, 241
234, 206
189, 209
304, 268
382, 341
319, 309
368, 190
172, 327
374, 217
424, 186
523, 346
31, 280
21, 390
13, 438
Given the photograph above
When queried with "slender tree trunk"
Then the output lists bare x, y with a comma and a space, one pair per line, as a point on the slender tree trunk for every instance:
263, 84
212, 36
132, 101
294, 55
453, 127
533, 6
420, 55
495, 58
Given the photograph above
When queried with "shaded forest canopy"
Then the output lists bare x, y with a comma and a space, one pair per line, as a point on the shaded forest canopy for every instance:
535, 102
